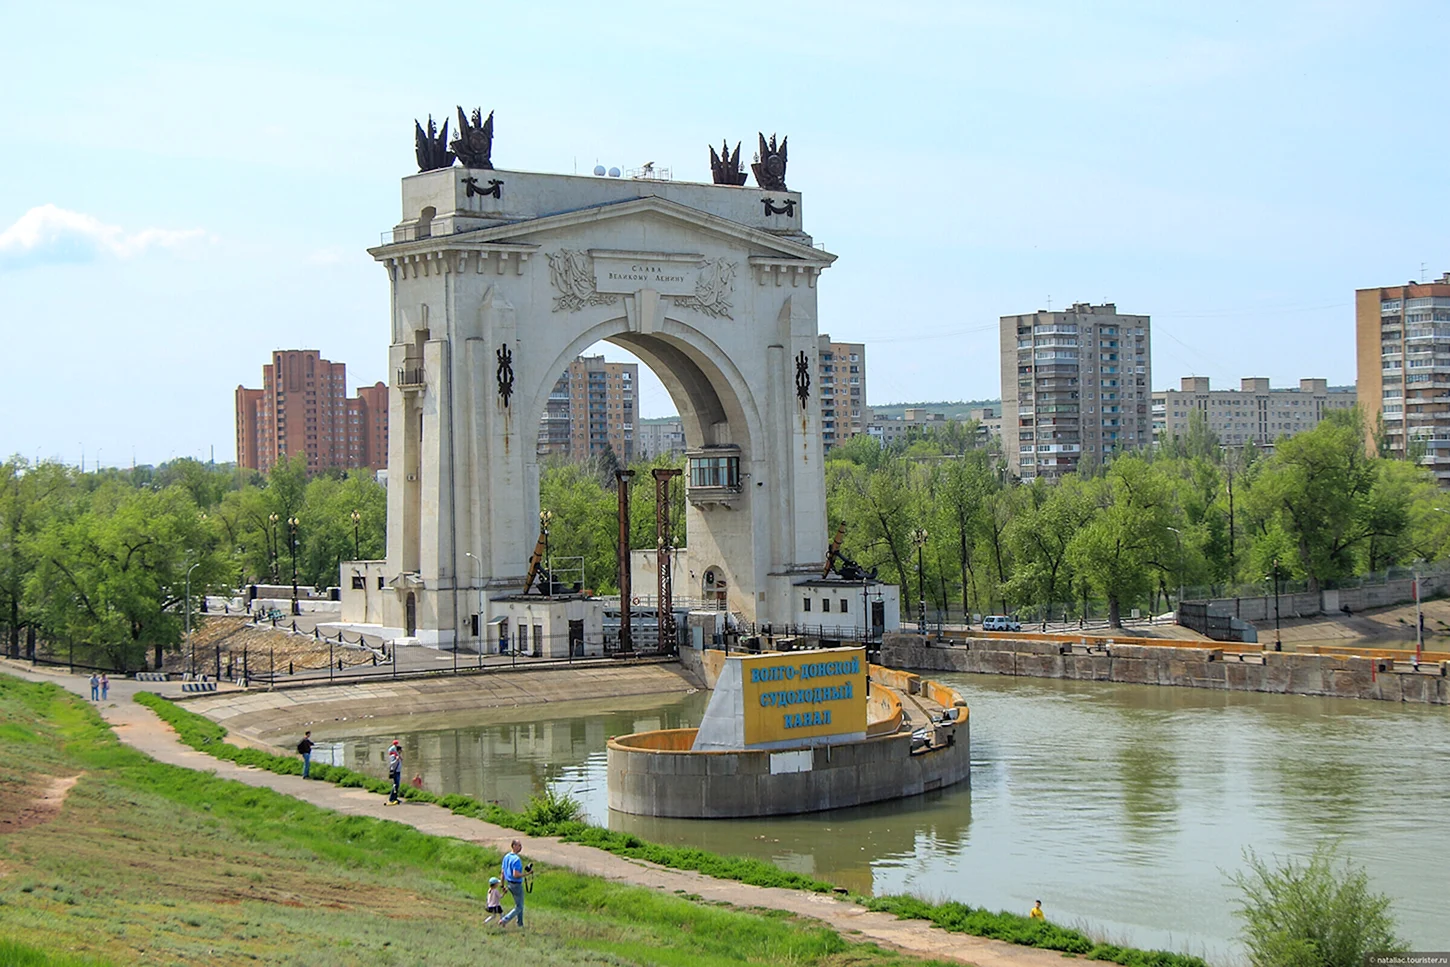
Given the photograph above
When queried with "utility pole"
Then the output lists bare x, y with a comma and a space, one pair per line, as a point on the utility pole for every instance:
665, 590
292, 523
622, 479
191, 645
919, 537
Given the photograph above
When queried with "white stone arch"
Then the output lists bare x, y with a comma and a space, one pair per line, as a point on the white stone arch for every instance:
487, 317
677, 335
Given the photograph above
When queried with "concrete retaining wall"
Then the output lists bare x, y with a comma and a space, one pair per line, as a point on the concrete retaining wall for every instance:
1308, 604
1280, 672
652, 780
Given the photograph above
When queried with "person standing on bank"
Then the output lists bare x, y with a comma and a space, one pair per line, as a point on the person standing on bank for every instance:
304, 749
105, 686
95, 688
513, 878
1037, 913
395, 771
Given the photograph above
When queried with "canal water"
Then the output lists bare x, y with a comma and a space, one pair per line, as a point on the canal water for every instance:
1122, 807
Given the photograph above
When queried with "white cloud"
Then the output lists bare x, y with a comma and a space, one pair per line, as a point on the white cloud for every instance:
49, 234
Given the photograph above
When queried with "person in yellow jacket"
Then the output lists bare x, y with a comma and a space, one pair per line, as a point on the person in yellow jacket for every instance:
1037, 913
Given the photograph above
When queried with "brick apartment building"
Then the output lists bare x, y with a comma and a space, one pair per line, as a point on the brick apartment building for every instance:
303, 407
1402, 343
592, 407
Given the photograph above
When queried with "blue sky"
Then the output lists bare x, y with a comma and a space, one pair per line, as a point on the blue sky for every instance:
184, 189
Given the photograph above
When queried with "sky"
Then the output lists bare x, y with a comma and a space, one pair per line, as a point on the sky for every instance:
186, 187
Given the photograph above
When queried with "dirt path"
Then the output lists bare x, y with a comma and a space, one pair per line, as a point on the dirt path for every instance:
137, 726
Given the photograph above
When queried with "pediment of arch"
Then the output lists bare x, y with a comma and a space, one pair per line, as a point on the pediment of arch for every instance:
594, 221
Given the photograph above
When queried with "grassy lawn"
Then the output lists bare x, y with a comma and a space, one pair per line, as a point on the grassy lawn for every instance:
151, 864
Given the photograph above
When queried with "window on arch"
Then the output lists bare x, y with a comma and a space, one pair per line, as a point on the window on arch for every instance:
715, 467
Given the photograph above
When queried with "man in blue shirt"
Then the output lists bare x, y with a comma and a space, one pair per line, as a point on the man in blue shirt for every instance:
513, 878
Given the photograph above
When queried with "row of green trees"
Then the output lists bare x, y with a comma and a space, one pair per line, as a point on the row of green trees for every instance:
104, 560
1319, 509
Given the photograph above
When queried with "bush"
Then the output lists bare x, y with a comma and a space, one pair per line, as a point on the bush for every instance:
1315, 915
552, 809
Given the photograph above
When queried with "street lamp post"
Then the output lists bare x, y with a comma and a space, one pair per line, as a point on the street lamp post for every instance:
272, 538
918, 537
546, 517
356, 539
292, 523
478, 564
191, 646
1179, 535
1278, 644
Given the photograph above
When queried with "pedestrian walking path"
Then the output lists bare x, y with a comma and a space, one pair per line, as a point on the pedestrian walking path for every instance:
140, 728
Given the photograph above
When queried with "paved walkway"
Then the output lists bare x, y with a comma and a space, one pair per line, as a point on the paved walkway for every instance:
139, 727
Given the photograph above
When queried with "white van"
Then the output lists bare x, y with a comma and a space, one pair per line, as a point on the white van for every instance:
1000, 622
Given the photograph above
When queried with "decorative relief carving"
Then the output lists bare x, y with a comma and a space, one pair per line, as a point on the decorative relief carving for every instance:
787, 209
803, 378
713, 288
572, 273
505, 373
495, 188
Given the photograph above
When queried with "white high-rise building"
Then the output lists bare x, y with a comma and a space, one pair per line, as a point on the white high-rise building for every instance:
1075, 386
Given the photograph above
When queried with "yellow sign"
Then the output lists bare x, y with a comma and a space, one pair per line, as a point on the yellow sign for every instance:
804, 694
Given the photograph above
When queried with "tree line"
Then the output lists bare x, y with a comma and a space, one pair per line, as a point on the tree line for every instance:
1318, 509
101, 559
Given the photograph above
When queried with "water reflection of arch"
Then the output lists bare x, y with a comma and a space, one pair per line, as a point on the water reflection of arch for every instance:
509, 760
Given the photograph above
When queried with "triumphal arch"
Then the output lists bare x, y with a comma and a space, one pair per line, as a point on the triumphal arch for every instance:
499, 279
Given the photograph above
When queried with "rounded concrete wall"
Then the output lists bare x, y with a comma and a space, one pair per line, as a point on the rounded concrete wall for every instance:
656, 774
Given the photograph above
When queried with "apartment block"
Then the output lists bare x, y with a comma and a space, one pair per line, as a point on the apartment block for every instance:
841, 378
1253, 413
1402, 348
303, 407
591, 408
659, 438
1075, 386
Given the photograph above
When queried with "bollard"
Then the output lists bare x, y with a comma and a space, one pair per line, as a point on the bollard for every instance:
290, 670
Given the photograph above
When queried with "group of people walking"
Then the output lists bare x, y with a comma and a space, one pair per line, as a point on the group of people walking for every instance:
100, 688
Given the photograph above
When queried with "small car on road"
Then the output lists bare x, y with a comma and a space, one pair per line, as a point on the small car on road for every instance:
1000, 622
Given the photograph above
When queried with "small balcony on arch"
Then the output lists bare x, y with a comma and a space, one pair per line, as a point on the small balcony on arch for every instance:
714, 475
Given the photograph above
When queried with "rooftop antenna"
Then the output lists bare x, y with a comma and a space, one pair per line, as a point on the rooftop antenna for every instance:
1049, 303
1422, 273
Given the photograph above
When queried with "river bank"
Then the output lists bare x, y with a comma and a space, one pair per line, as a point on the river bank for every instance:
1222, 668
578, 908
267, 716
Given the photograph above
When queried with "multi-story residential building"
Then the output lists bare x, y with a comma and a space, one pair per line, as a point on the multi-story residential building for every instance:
1402, 340
1075, 386
591, 408
891, 429
655, 438
1253, 413
989, 422
842, 382
303, 407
